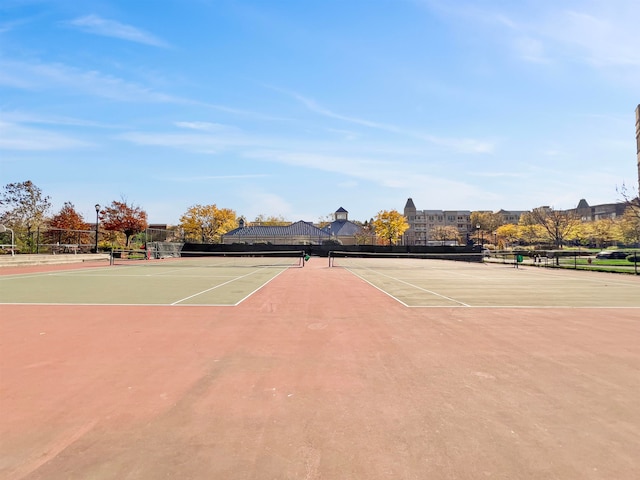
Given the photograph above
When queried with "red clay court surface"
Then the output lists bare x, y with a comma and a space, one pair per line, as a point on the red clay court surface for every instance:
320, 374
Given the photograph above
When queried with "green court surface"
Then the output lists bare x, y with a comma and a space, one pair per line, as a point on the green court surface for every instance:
441, 283
138, 285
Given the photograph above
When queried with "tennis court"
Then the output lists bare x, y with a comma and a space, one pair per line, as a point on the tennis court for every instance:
230, 279
203, 279
434, 282
319, 372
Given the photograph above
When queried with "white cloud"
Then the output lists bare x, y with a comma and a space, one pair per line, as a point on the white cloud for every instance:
17, 137
267, 203
204, 126
461, 145
199, 143
17, 116
599, 34
530, 49
39, 76
207, 178
497, 174
383, 173
109, 28
383, 164
602, 34
47, 76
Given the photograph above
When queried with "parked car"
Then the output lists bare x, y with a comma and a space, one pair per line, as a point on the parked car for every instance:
612, 254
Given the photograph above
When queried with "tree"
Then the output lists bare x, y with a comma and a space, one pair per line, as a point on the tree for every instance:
325, 220
529, 231
508, 234
366, 234
556, 224
207, 223
271, 220
443, 233
125, 218
488, 221
68, 226
604, 232
582, 233
24, 207
633, 202
390, 225
629, 225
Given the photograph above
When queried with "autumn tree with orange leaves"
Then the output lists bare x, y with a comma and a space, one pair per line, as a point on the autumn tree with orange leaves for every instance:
125, 218
68, 226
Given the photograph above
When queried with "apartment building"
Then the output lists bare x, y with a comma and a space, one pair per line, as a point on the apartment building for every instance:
510, 216
588, 213
424, 223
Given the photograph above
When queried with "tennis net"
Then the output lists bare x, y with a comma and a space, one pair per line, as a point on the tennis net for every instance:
255, 259
380, 260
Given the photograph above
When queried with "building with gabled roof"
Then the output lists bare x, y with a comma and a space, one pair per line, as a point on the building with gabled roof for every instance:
345, 231
297, 233
588, 213
341, 230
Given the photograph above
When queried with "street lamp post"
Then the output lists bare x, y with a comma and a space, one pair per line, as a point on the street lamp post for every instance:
97, 222
478, 233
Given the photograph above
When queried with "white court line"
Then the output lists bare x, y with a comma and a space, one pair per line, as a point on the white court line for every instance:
84, 274
119, 304
139, 275
259, 288
212, 288
176, 303
533, 271
226, 283
544, 272
60, 273
195, 305
407, 283
611, 278
534, 307
376, 287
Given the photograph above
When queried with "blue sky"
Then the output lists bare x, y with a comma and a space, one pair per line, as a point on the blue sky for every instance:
295, 108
